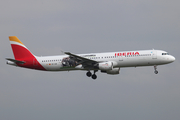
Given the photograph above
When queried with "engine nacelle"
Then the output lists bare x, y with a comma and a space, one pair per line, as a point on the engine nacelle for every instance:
114, 71
105, 66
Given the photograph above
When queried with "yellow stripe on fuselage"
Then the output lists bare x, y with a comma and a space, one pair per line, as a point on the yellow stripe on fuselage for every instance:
14, 38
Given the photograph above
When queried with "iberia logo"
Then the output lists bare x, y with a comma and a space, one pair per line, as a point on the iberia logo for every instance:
126, 53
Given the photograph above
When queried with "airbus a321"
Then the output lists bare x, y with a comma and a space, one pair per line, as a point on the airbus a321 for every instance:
109, 62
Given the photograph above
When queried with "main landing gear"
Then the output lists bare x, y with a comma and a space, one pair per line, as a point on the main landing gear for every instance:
89, 74
155, 69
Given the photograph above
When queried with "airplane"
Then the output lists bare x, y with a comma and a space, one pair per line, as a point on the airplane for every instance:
109, 62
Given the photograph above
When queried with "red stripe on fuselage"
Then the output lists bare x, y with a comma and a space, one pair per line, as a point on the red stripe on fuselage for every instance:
23, 54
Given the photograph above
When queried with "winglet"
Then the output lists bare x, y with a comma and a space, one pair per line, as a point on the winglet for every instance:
62, 51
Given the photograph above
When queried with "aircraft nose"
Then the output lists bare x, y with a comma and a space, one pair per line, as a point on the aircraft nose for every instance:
172, 59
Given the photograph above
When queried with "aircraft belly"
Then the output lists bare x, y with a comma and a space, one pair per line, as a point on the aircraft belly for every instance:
58, 67
133, 62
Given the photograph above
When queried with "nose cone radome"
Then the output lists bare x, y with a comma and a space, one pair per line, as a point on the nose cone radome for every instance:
172, 59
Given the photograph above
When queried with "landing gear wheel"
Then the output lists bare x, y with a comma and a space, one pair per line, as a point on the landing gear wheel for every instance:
94, 76
89, 74
156, 72
155, 69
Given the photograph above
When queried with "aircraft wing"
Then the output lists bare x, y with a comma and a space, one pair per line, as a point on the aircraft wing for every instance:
81, 60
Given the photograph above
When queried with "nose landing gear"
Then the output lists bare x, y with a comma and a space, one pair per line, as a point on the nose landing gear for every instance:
89, 74
155, 69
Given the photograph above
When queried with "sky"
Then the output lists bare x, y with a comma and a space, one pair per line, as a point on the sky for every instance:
47, 27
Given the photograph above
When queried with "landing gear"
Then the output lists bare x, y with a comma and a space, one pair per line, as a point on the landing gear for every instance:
156, 72
89, 74
94, 76
155, 69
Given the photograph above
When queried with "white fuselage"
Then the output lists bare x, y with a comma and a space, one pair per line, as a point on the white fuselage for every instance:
119, 59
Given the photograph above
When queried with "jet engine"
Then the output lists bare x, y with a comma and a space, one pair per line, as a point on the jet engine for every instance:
105, 66
114, 71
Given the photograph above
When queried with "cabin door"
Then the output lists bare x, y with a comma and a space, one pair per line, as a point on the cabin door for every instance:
154, 54
35, 62
120, 58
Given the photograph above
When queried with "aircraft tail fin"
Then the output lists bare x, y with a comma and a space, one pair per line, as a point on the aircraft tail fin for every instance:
20, 51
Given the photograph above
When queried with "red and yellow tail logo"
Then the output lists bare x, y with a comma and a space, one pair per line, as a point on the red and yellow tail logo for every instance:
21, 53
19, 49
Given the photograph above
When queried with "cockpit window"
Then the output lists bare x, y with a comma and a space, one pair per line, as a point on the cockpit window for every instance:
165, 53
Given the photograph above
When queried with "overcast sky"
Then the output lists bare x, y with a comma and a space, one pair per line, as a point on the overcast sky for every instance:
48, 26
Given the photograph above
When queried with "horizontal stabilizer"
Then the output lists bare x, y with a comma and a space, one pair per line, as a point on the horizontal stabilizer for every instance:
15, 61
